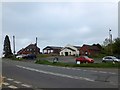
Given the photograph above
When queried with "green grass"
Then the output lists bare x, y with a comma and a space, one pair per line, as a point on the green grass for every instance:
94, 65
43, 55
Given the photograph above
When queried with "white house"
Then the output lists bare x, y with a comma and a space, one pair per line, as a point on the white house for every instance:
70, 50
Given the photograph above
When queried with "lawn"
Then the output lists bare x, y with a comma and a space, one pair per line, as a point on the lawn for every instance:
94, 65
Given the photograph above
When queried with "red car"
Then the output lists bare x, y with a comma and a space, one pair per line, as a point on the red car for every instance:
84, 59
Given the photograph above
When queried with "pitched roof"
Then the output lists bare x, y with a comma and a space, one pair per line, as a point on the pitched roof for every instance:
53, 47
31, 46
68, 48
92, 47
78, 47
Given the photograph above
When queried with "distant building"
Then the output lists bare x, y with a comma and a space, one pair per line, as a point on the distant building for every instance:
30, 49
70, 50
52, 50
90, 49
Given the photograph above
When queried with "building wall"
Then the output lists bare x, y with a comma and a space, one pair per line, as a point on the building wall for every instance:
51, 51
70, 52
48, 51
85, 50
31, 49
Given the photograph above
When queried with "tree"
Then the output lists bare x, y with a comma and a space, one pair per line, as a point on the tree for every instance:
106, 42
107, 46
116, 46
7, 48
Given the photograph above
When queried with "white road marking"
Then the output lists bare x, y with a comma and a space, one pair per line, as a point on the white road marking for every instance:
102, 72
94, 71
56, 74
13, 87
5, 83
25, 85
10, 79
80, 69
17, 82
111, 73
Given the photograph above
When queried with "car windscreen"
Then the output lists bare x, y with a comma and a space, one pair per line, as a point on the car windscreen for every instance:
113, 57
86, 56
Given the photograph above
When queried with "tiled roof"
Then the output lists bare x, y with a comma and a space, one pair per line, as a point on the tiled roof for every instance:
78, 47
53, 47
68, 48
92, 47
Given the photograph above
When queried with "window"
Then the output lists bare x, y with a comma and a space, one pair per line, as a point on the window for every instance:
51, 50
108, 58
45, 51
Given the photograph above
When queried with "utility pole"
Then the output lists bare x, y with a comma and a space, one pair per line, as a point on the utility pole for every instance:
110, 40
36, 46
14, 45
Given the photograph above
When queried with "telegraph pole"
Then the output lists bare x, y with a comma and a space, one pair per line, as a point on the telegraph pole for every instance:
110, 40
14, 45
36, 46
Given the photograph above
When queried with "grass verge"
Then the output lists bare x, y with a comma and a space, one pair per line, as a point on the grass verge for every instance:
94, 65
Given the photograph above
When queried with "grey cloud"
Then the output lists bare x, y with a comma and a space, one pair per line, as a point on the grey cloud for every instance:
59, 23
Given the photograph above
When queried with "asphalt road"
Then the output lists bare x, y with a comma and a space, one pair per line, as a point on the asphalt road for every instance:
19, 74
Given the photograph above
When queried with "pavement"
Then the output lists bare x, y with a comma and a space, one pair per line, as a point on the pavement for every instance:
29, 75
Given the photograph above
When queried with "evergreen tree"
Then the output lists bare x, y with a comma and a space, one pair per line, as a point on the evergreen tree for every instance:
7, 48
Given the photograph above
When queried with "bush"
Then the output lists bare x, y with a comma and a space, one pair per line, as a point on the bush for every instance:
97, 56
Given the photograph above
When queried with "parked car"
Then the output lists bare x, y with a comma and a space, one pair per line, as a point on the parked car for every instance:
110, 59
30, 56
84, 59
26, 56
20, 56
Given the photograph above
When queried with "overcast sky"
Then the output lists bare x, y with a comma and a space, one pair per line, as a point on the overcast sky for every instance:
59, 23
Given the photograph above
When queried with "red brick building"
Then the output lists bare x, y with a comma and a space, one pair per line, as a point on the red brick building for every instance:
89, 50
30, 49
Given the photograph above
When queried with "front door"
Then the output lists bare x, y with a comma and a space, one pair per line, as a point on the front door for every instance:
66, 53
